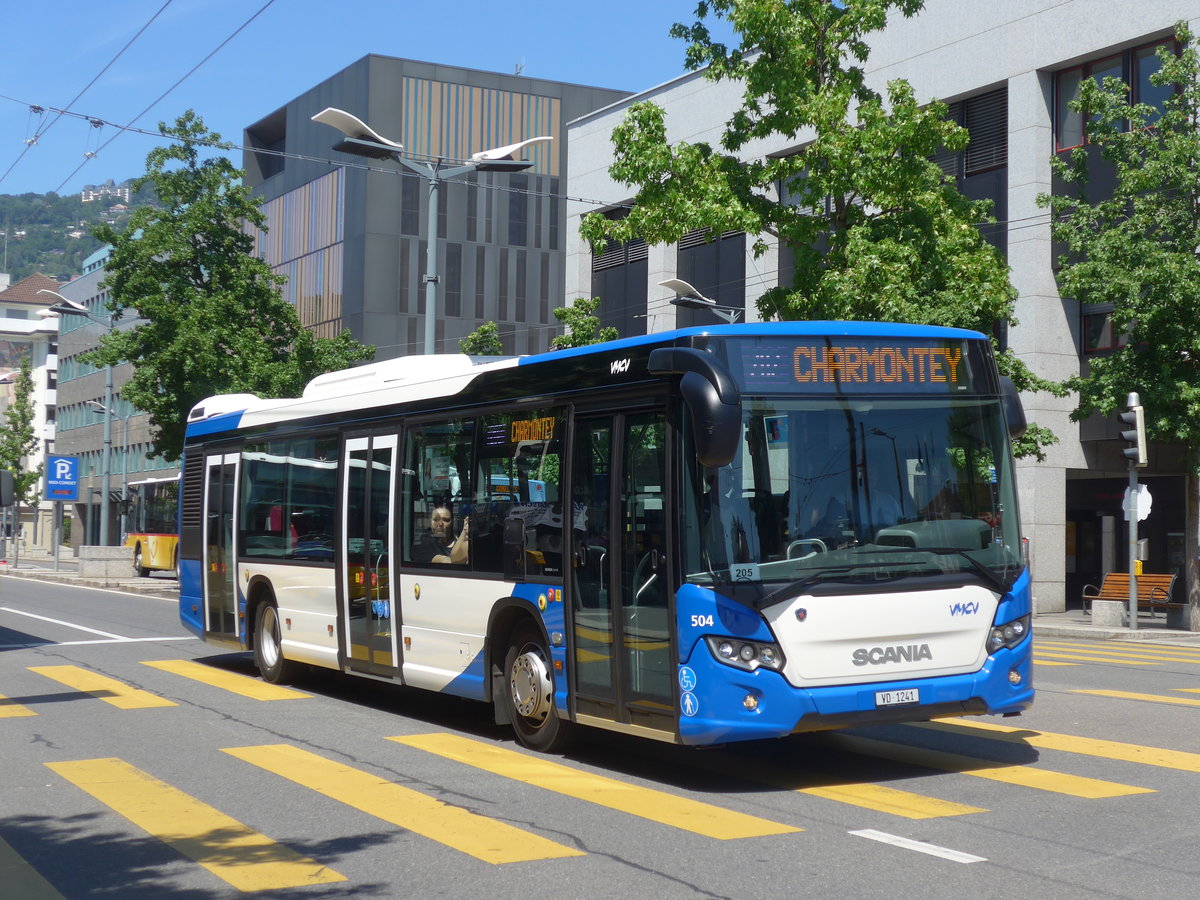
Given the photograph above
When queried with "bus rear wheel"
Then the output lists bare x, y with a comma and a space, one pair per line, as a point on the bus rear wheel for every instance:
268, 647
530, 693
138, 569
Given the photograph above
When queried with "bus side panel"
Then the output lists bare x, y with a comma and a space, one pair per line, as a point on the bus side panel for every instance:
191, 596
471, 681
444, 620
306, 597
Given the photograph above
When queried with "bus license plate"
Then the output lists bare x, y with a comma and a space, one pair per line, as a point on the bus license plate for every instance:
897, 698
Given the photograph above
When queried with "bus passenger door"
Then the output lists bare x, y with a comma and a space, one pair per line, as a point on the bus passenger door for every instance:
621, 614
368, 498
220, 557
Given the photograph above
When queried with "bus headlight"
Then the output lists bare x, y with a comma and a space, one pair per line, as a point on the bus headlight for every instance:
1009, 634
748, 655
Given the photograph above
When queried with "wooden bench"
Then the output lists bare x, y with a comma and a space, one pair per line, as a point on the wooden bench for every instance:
1153, 591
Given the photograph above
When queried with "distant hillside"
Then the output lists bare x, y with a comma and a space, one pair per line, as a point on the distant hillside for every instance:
51, 234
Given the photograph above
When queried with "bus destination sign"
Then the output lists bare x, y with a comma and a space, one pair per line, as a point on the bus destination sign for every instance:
859, 365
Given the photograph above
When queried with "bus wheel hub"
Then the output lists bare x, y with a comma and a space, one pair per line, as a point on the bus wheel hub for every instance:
530, 685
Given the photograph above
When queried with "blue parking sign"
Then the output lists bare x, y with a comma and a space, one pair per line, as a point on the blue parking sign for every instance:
62, 478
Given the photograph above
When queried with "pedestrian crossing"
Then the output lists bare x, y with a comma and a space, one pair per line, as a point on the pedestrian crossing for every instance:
248, 859
1064, 652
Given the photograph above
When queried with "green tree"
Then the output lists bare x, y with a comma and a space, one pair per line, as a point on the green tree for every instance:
18, 439
1138, 248
582, 324
483, 341
212, 317
876, 230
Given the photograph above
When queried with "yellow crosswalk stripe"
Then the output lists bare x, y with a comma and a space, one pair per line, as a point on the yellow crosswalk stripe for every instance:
891, 800
1151, 698
484, 838
1023, 776
1047, 662
228, 681
646, 803
102, 687
11, 709
866, 795
1163, 655
1190, 654
21, 879
1069, 743
239, 856
1042, 654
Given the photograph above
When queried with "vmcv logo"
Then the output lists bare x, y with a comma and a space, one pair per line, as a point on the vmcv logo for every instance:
618, 366
964, 609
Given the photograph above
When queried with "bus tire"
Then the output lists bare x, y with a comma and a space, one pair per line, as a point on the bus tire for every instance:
268, 647
139, 570
529, 692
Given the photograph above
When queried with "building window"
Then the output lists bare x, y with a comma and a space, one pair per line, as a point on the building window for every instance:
619, 276
986, 119
1098, 334
1134, 67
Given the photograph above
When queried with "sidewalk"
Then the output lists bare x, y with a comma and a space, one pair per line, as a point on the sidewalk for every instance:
1075, 623
38, 565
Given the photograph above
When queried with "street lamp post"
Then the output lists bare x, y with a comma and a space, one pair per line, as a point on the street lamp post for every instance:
67, 307
362, 140
690, 298
97, 405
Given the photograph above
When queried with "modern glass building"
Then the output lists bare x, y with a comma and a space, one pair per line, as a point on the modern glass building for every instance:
349, 232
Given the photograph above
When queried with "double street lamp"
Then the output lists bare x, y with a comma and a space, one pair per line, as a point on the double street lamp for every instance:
362, 140
65, 307
690, 298
113, 414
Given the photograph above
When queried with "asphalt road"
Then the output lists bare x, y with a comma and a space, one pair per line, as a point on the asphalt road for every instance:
139, 763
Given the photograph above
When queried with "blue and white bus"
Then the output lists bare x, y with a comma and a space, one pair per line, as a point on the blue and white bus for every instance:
700, 536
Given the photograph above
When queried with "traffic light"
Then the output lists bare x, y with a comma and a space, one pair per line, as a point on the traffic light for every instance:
1135, 431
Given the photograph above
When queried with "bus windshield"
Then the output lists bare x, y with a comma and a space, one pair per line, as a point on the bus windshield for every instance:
834, 491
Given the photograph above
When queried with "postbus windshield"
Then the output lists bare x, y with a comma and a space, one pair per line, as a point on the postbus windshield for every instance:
849, 490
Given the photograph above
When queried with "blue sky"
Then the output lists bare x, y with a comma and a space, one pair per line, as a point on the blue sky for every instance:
54, 48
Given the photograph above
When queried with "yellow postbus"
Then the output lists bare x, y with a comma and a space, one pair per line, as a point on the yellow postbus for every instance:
151, 524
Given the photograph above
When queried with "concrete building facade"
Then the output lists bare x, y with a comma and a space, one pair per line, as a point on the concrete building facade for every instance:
26, 333
81, 412
1008, 70
349, 233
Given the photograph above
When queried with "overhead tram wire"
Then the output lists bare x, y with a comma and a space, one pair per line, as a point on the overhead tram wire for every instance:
60, 113
1032, 221
163, 95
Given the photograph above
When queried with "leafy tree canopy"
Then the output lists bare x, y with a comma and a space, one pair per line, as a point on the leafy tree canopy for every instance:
876, 230
1139, 247
483, 341
212, 320
582, 324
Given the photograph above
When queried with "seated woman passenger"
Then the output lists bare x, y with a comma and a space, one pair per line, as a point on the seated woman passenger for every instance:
437, 545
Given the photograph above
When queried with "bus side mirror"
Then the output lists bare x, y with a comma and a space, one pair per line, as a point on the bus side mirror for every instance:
712, 397
1014, 412
7, 488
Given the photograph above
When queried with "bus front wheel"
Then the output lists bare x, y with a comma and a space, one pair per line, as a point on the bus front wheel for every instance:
530, 692
268, 647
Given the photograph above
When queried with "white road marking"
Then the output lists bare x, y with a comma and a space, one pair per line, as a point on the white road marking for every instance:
920, 846
109, 638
